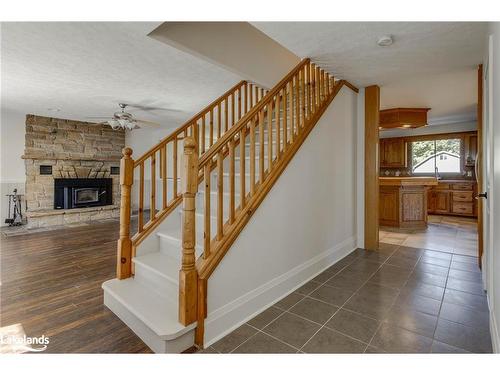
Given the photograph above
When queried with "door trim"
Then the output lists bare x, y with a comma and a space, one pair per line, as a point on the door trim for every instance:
479, 156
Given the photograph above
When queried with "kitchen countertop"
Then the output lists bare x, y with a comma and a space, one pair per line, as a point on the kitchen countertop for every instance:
408, 181
451, 181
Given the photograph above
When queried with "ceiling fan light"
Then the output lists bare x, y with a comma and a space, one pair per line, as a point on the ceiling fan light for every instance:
114, 124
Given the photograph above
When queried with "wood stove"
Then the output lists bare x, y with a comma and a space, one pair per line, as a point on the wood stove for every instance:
82, 192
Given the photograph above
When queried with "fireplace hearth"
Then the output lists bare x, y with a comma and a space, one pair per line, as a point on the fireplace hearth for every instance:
82, 192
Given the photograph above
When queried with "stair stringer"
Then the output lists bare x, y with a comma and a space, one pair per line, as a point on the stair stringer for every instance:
305, 224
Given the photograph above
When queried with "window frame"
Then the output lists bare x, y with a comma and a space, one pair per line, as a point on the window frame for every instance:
437, 137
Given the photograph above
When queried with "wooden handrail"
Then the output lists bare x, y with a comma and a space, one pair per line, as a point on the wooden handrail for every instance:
162, 160
181, 129
288, 112
252, 113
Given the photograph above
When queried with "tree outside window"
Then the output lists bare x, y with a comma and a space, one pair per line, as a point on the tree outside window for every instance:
443, 154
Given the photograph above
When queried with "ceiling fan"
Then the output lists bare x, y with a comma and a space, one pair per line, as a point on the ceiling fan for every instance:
125, 120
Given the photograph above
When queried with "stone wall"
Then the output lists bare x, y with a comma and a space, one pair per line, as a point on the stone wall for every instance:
74, 149
40, 188
52, 138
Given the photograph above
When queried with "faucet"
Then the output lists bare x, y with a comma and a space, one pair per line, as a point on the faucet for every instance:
436, 173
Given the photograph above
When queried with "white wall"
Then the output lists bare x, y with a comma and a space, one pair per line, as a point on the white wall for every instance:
306, 223
491, 263
141, 140
12, 170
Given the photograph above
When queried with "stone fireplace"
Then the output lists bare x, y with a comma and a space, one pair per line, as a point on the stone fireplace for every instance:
82, 192
72, 171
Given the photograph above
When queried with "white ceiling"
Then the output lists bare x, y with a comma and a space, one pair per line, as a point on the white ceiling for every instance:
86, 69
430, 64
349, 50
451, 96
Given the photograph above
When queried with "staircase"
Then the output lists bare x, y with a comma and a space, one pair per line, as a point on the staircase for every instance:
229, 156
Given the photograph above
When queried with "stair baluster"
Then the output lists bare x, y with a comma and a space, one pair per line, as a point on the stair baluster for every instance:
294, 105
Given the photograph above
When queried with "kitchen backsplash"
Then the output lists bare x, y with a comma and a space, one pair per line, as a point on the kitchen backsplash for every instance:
405, 172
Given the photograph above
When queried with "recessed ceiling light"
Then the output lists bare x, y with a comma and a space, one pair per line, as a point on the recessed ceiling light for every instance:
385, 40
53, 109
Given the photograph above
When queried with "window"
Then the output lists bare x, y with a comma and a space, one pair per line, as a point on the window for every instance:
442, 155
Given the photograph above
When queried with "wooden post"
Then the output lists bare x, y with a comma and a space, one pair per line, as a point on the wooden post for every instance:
188, 276
124, 253
372, 105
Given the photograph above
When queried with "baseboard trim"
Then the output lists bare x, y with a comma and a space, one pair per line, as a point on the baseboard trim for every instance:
495, 336
230, 316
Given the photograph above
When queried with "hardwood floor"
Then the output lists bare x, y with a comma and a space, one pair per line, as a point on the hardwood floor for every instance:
51, 285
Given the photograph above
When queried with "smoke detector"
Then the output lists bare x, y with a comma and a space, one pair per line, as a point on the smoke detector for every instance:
385, 41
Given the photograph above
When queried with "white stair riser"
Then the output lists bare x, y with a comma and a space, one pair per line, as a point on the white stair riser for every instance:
199, 222
157, 344
237, 165
237, 185
173, 247
156, 282
200, 203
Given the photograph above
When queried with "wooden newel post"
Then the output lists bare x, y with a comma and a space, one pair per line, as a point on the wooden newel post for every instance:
188, 276
124, 261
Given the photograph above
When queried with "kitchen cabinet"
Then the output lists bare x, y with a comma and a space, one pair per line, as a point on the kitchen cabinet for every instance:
403, 201
393, 153
442, 202
438, 202
389, 206
453, 198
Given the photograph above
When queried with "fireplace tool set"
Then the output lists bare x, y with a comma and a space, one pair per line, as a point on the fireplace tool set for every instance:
15, 214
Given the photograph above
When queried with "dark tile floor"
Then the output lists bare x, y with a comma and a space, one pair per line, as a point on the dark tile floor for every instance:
397, 300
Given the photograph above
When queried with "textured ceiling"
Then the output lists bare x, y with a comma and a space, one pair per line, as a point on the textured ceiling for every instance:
451, 96
349, 49
430, 64
85, 69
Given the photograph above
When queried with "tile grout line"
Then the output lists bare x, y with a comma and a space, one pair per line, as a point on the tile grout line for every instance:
395, 299
324, 283
283, 311
441, 305
349, 299
329, 328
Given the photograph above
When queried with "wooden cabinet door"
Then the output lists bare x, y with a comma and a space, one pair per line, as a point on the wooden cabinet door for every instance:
393, 153
382, 144
442, 202
389, 206
431, 201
